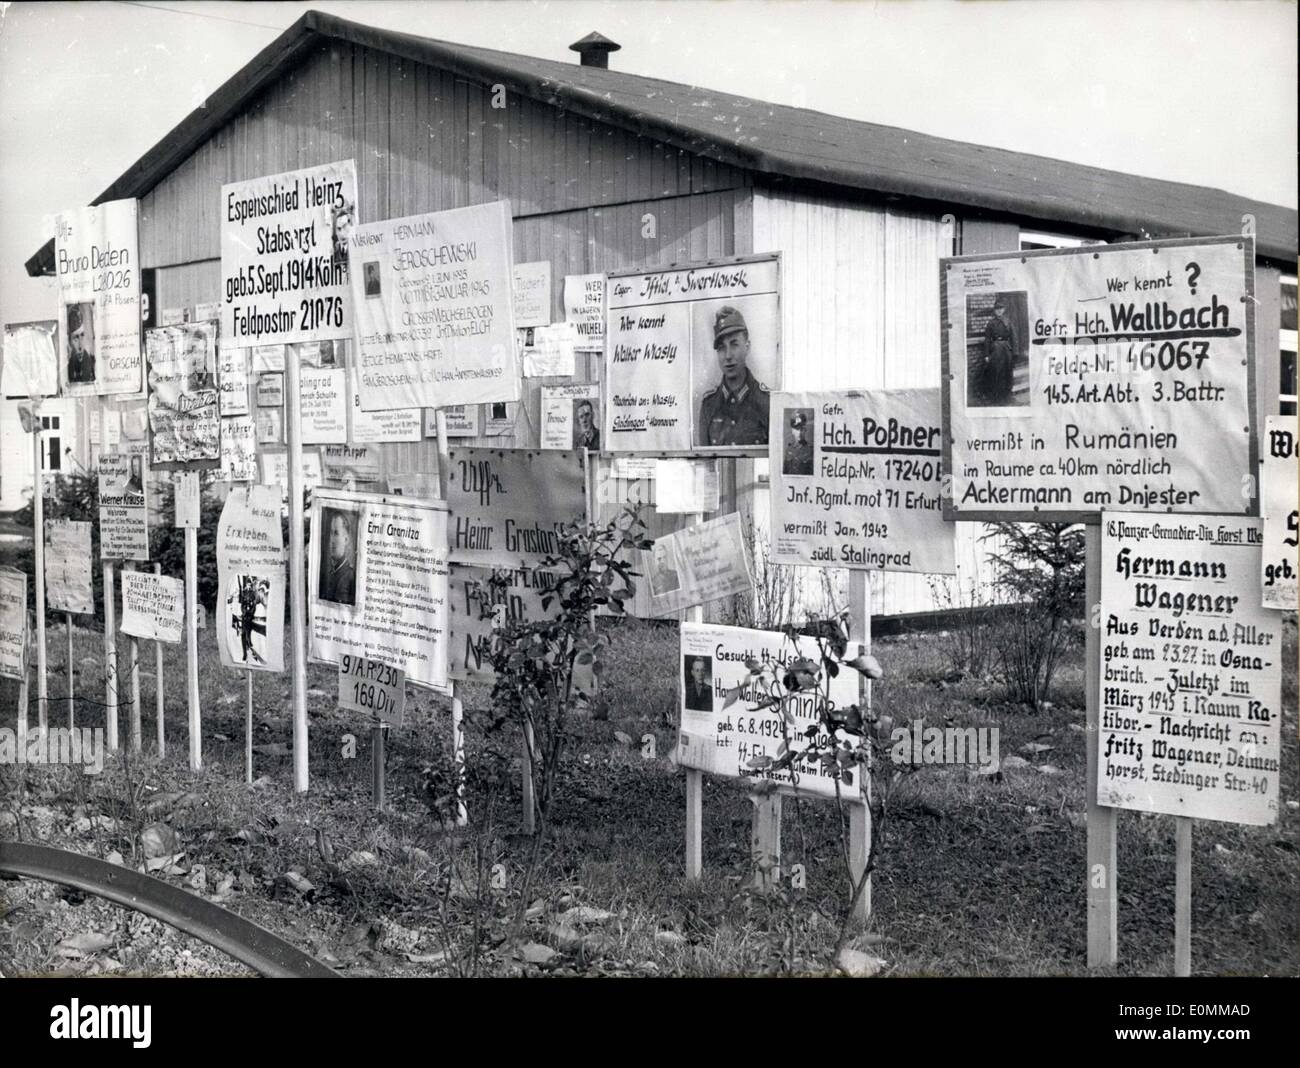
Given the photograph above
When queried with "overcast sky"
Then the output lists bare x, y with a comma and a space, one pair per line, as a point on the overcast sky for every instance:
1200, 91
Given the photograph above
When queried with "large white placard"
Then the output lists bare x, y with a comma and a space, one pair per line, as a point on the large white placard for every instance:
31, 360
97, 264
690, 355
153, 606
435, 323
68, 559
1191, 669
698, 564
251, 582
856, 480
13, 623
123, 505
1107, 376
284, 267
1279, 494
721, 740
378, 582
584, 307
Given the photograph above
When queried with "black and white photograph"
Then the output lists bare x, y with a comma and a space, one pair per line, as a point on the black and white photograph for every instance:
338, 557
972, 652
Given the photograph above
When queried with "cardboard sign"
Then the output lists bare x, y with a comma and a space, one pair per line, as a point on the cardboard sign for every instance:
686, 486
499, 419
270, 390
268, 359
508, 505
239, 449
532, 293
68, 557
324, 406
517, 598
209, 310
571, 417
373, 687
250, 574
123, 506
722, 740
1191, 672
551, 351
31, 360
13, 623
698, 564
1279, 494
584, 307
690, 355
459, 421
378, 582
153, 606
399, 424
284, 268
232, 380
270, 426
275, 471
856, 481
183, 415
186, 497
1101, 377
344, 464
432, 294
96, 262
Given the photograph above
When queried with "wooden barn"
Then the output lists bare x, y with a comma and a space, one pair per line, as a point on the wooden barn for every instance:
606, 171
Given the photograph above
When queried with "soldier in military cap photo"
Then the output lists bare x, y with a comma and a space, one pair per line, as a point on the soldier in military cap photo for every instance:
797, 458
81, 340
735, 411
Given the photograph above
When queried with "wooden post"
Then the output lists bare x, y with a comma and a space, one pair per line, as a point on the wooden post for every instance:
860, 813
110, 659
38, 543
695, 787
133, 664
1183, 898
22, 712
158, 687
297, 576
1101, 875
248, 730
526, 781
377, 765
72, 678
457, 704
192, 646
765, 840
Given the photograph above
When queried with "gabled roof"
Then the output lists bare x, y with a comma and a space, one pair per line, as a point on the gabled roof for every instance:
768, 139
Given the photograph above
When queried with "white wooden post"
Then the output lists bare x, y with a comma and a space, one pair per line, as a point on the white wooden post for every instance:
457, 705
297, 576
1101, 874
860, 813
1183, 897
192, 646
38, 543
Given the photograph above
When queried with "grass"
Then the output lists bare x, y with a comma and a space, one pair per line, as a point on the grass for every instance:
979, 875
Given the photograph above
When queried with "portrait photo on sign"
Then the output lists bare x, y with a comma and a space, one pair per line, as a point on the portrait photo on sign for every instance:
997, 350
338, 557
342, 219
697, 677
663, 570
245, 622
798, 426
80, 319
370, 278
736, 361
586, 432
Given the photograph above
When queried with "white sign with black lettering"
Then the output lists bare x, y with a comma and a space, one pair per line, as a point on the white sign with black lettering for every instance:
372, 686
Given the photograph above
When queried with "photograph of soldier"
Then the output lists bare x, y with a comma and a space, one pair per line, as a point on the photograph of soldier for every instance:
370, 277
585, 434
797, 456
247, 597
663, 575
997, 350
735, 411
135, 482
81, 342
698, 676
343, 219
338, 558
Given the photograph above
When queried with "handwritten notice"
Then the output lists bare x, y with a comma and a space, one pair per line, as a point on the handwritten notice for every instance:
268, 359
459, 421
1191, 675
532, 293
509, 505
284, 268
478, 608
270, 426
432, 294
184, 419
153, 606
584, 307
398, 424
275, 470
324, 406
270, 389
691, 354
186, 499
68, 558
97, 264
856, 480
552, 351
31, 360
686, 486
378, 582
123, 506
232, 380
348, 465
1106, 376
1279, 493
698, 564
239, 449
570, 417
721, 740
13, 623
